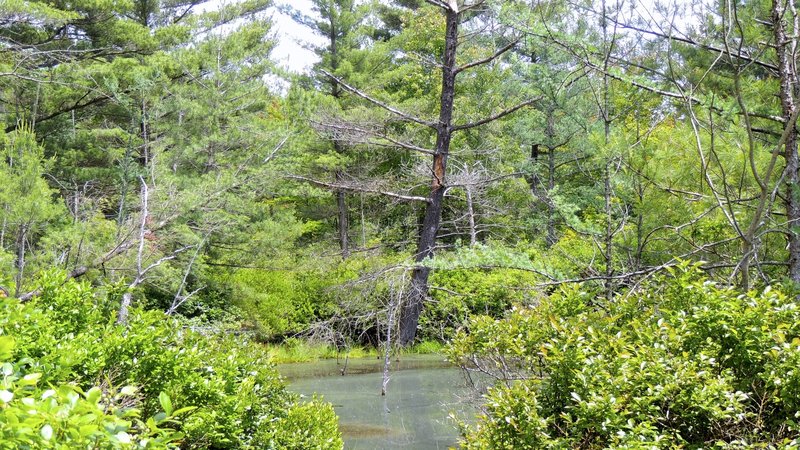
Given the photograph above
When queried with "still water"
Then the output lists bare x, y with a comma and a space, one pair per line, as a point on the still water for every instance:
415, 414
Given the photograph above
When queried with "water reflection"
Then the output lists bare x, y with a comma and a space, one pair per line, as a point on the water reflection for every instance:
422, 393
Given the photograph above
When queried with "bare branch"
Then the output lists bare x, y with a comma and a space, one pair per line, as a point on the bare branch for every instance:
437, 3
351, 188
379, 103
686, 40
356, 134
497, 116
161, 261
488, 59
179, 299
280, 145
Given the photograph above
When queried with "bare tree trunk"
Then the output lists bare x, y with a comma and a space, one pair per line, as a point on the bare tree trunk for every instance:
786, 48
21, 238
637, 258
545, 195
793, 208
145, 135
550, 131
343, 222
122, 315
341, 201
409, 317
606, 113
473, 232
127, 297
363, 223
609, 237
3, 230
552, 238
387, 351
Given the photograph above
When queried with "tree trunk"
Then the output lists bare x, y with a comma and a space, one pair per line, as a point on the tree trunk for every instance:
785, 48
609, 237
124, 307
21, 237
793, 207
473, 232
343, 222
341, 200
127, 297
551, 180
409, 317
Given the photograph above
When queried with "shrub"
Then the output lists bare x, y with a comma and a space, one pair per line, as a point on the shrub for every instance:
153, 384
680, 363
459, 293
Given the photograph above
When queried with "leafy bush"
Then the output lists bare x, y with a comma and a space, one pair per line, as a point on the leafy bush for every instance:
681, 363
285, 303
460, 293
282, 303
73, 378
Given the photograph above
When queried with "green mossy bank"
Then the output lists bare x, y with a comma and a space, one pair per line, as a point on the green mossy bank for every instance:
72, 378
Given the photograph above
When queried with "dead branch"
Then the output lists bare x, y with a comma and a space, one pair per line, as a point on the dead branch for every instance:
379, 103
488, 59
497, 116
355, 188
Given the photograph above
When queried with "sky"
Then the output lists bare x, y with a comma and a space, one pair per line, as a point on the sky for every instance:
289, 52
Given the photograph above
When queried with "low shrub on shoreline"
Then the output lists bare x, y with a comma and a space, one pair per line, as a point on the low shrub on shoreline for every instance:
680, 363
73, 378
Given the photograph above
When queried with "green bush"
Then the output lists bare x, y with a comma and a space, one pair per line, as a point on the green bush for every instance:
285, 303
458, 294
73, 378
307, 426
681, 363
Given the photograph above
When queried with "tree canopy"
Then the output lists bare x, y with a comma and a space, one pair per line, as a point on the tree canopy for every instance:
447, 170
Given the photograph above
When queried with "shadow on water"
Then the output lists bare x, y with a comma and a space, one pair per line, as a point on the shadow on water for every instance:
415, 414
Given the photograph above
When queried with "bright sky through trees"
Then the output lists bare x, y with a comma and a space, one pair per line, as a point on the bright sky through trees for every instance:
291, 37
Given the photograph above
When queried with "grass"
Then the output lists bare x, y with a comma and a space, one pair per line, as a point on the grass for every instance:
426, 348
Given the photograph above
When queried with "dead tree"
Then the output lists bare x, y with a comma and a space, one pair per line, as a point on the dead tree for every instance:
141, 270
454, 13
418, 291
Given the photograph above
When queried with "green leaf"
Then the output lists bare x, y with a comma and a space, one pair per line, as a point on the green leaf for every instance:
184, 410
165, 402
123, 437
94, 394
7, 345
30, 379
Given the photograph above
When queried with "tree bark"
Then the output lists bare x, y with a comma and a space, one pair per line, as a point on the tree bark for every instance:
785, 49
607, 191
127, 297
409, 316
343, 222
552, 238
473, 231
550, 131
21, 239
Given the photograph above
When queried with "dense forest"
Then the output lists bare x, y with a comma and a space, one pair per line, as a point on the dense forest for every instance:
594, 203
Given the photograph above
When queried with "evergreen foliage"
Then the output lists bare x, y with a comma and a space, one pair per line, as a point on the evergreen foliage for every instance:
447, 168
